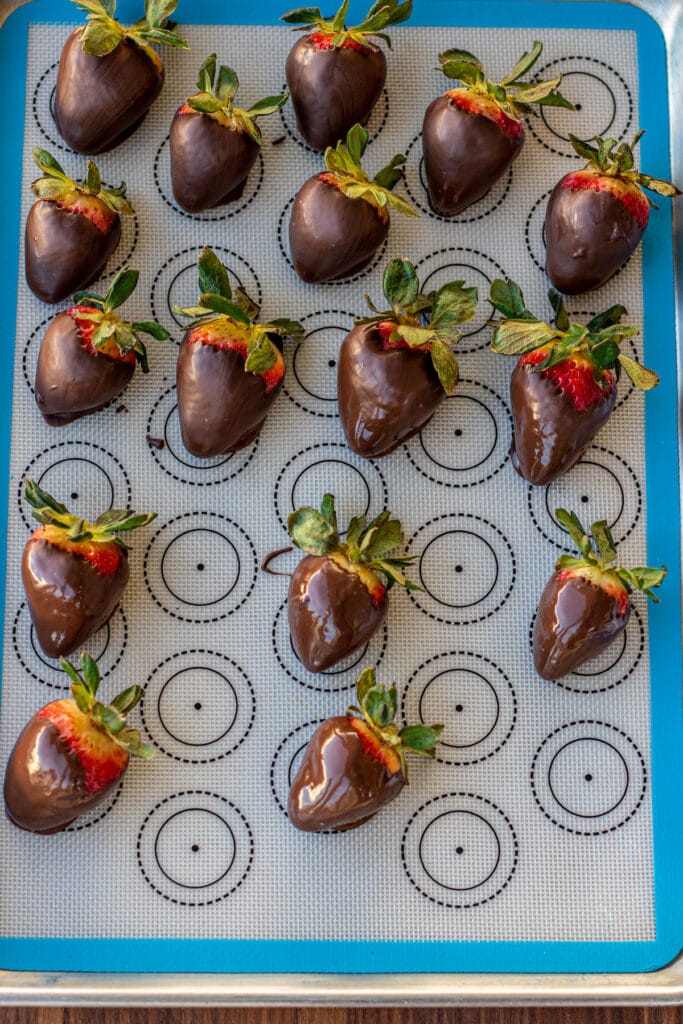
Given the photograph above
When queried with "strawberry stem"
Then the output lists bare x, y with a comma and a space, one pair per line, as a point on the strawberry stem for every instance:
343, 162
617, 161
56, 185
382, 14
103, 33
217, 90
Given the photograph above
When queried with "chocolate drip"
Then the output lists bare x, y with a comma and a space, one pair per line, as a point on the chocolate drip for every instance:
222, 408
385, 396
44, 781
338, 785
588, 235
331, 612
67, 597
464, 155
65, 251
332, 236
99, 101
332, 90
70, 381
576, 621
209, 162
550, 434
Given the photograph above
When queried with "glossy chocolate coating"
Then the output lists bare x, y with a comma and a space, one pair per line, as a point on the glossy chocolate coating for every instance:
67, 597
589, 236
209, 162
99, 101
339, 786
64, 250
44, 782
221, 407
331, 612
332, 90
576, 620
385, 397
464, 155
70, 381
550, 434
332, 236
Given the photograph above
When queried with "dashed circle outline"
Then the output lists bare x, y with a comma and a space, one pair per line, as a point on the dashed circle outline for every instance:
201, 760
187, 903
444, 903
605, 725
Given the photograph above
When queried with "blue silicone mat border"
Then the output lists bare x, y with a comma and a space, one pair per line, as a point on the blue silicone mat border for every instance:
663, 546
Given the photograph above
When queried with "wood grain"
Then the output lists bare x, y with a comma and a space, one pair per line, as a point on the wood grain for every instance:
341, 1016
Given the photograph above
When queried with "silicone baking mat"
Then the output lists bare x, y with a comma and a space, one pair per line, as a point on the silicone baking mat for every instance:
544, 835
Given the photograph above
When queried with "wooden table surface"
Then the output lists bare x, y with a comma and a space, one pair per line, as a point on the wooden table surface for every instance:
329, 1016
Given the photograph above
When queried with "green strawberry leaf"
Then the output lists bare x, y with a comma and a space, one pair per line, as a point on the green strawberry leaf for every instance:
607, 318
524, 64
303, 16
507, 298
121, 288
207, 74
516, 337
228, 84
262, 355
445, 364
205, 103
312, 532
93, 181
155, 330
268, 105
366, 682
453, 304
561, 317
100, 37
127, 700
421, 739
642, 377
399, 283
572, 524
604, 541
213, 276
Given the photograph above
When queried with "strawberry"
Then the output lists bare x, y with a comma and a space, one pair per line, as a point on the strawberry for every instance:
213, 143
71, 230
109, 75
586, 603
71, 754
336, 74
340, 218
564, 385
596, 217
396, 367
338, 591
230, 370
88, 354
472, 134
74, 572
354, 766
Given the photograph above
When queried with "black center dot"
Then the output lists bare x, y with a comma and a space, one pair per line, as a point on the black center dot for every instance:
458, 432
458, 568
195, 848
459, 849
331, 362
198, 706
584, 499
588, 777
577, 106
458, 707
200, 566
74, 495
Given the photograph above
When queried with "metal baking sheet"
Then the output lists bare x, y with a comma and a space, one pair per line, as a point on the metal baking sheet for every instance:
551, 15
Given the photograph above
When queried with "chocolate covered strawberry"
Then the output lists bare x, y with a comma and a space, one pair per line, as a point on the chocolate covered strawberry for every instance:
74, 572
338, 593
109, 74
597, 216
340, 218
336, 74
397, 366
230, 368
586, 603
213, 143
71, 754
71, 230
88, 354
355, 764
472, 134
564, 385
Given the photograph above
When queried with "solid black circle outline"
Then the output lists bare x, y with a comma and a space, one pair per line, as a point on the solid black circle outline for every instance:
200, 604
189, 465
472, 672
205, 743
598, 465
204, 903
448, 604
315, 412
459, 888
466, 469
339, 462
205, 885
596, 78
316, 330
593, 739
